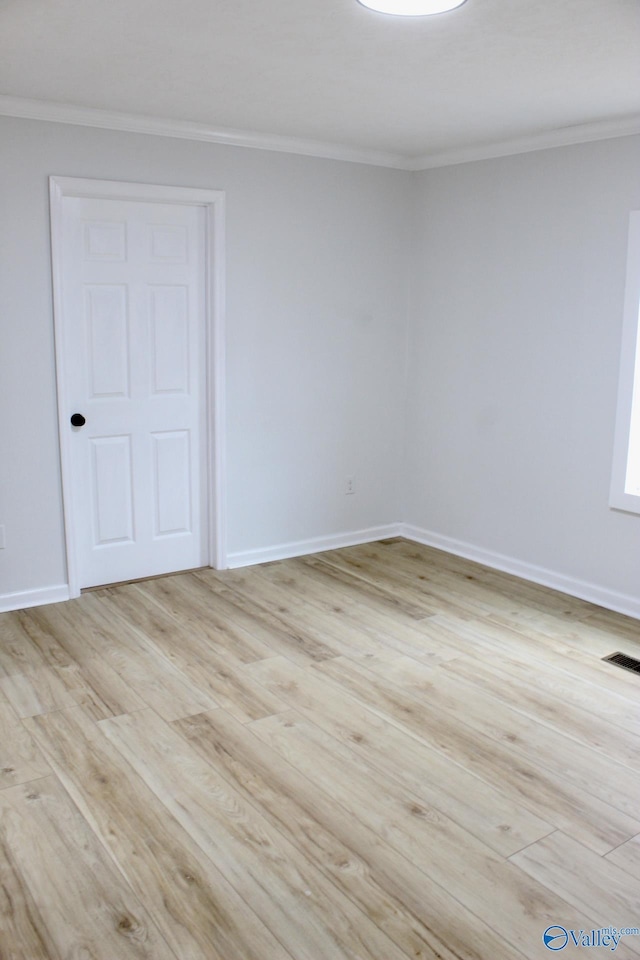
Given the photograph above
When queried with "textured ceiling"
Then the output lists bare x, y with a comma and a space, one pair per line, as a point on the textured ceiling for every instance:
331, 70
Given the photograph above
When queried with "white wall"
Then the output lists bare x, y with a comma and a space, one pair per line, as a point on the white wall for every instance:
316, 292
517, 276
516, 317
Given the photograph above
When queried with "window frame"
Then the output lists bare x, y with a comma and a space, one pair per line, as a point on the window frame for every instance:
619, 499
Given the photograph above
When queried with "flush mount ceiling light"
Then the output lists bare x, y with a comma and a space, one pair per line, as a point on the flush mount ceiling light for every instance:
411, 8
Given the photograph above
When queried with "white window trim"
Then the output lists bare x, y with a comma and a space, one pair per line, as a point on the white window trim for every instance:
619, 499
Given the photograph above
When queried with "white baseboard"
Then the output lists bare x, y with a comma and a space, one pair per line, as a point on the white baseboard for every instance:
591, 592
602, 596
33, 598
300, 548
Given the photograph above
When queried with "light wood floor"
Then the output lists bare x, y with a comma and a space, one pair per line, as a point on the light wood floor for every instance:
377, 753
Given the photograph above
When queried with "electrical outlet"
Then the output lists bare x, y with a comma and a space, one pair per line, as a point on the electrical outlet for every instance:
350, 486
2, 543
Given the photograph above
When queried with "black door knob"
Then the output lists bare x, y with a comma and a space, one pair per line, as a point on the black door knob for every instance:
77, 420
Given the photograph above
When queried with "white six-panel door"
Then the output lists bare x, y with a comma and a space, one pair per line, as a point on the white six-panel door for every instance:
132, 276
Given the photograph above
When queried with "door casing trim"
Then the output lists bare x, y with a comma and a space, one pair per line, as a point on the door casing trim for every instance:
213, 203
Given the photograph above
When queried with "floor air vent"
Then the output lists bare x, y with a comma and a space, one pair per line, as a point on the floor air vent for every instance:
624, 661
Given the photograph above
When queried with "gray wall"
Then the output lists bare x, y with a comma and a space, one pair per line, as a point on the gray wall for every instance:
515, 325
316, 325
509, 274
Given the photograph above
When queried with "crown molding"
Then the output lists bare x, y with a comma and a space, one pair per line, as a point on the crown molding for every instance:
186, 130
561, 137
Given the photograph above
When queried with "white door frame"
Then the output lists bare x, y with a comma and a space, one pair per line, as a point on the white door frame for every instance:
213, 203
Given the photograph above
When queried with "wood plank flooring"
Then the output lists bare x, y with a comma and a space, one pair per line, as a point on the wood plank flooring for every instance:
377, 753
